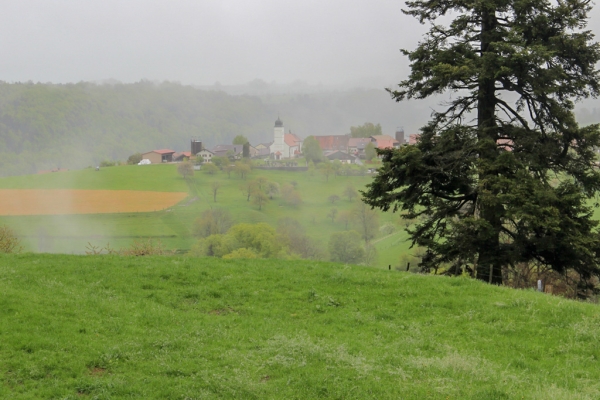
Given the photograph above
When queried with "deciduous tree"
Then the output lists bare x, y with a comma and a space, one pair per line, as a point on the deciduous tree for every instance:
185, 169
311, 149
370, 152
333, 198
215, 186
350, 193
502, 175
366, 221
210, 168
366, 130
346, 247
332, 213
259, 198
212, 222
240, 140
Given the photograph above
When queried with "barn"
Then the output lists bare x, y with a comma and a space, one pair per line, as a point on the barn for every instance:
159, 156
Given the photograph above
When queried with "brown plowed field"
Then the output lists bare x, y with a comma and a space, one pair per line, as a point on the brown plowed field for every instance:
61, 201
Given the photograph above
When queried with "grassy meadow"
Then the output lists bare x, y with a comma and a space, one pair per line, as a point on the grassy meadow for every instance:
109, 327
173, 226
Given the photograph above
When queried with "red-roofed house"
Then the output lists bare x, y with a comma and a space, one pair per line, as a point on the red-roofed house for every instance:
357, 146
184, 155
385, 142
412, 139
159, 156
333, 142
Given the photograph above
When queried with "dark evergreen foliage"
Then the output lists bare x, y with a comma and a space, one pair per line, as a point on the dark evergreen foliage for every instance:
503, 175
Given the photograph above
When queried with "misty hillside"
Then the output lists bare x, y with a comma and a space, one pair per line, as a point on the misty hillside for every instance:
45, 126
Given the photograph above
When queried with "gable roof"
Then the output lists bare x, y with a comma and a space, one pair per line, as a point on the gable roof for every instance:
333, 142
291, 139
162, 151
359, 143
385, 141
236, 148
339, 155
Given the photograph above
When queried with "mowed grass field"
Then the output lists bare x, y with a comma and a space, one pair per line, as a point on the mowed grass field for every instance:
173, 226
108, 327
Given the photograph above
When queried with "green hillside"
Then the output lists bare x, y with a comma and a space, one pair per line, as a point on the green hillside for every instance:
72, 233
159, 178
45, 126
105, 327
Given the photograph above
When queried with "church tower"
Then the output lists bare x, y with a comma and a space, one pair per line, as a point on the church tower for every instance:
278, 133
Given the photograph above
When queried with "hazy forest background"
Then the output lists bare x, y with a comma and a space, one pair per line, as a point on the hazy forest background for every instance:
45, 126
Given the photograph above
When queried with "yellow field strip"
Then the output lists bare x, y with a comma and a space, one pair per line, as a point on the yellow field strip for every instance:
63, 201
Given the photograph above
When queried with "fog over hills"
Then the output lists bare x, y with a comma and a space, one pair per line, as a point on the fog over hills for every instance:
206, 69
45, 126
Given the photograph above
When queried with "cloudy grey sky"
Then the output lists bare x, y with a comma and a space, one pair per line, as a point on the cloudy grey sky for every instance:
205, 41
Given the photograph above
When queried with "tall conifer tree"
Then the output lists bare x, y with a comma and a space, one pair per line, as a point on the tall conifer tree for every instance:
503, 174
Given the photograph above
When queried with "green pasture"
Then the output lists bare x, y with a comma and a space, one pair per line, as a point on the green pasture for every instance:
158, 178
109, 327
173, 227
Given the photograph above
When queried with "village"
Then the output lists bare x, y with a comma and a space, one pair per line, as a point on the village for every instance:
284, 147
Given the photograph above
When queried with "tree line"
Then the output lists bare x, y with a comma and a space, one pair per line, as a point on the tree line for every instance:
46, 126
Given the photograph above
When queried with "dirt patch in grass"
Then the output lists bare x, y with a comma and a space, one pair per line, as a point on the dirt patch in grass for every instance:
63, 201
97, 371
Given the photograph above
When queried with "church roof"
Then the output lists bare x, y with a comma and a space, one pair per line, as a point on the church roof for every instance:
278, 123
291, 139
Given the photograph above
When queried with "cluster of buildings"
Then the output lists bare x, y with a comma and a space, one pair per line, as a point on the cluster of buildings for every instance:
286, 146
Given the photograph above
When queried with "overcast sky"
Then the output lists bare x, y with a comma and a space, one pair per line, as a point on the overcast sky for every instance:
205, 41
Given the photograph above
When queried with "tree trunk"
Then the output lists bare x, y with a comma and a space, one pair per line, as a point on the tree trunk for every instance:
489, 245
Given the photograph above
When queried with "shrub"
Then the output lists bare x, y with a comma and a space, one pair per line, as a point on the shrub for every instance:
214, 246
134, 158
9, 242
185, 169
346, 247
108, 163
210, 168
212, 222
241, 253
387, 229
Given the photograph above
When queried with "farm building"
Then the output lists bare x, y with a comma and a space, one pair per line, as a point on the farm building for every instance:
342, 156
159, 156
357, 146
183, 156
385, 142
333, 142
206, 155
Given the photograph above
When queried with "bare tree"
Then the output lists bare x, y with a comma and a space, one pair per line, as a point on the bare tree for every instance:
350, 193
333, 198
259, 198
345, 217
185, 169
367, 221
215, 188
332, 213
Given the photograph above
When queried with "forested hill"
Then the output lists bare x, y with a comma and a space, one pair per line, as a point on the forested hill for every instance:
45, 126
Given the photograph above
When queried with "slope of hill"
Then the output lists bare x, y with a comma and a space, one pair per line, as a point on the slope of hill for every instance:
174, 226
172, 327
45, 126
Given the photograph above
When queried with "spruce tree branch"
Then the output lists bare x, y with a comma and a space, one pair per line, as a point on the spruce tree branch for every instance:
513, 112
